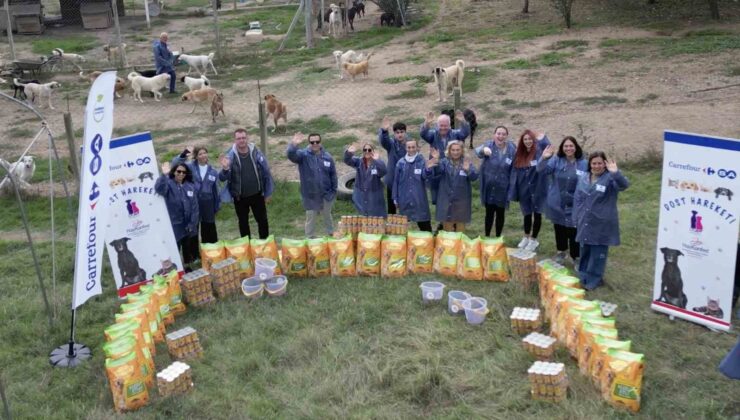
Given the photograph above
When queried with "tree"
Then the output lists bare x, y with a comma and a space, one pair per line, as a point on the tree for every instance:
564, 7
714, 9
391, 6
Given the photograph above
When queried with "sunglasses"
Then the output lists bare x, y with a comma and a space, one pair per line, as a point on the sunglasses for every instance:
315, 141
367, 150
180, 172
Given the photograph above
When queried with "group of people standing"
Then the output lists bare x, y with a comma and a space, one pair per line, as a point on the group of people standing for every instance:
578, 193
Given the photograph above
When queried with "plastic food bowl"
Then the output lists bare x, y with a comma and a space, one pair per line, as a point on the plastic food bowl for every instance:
276, 286
476, 309
253, 288
431, 291
455, 299
264, 268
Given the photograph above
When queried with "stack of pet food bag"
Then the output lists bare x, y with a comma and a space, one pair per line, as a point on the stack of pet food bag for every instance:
590, 337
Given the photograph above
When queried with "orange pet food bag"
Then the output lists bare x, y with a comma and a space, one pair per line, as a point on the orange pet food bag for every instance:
494, 259
294, 258
393, 256
318, 257
621, 379
446, 253
368, 254
419, 252
126, 383
342, 256
240, 250
266, 248
469, 264
211, 254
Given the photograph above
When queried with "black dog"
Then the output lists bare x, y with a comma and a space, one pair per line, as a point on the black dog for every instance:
351, 17
473, 121
145, 175
723, 191
360, 7
389, 19
131, 273
671, 286
19, 92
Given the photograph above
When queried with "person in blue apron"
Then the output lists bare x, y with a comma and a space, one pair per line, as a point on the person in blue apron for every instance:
562, 172
455, 174
497, 159
179, 192
439, 136
368, 193
597, 217
396, 148
528, 187
205, 179
410, 187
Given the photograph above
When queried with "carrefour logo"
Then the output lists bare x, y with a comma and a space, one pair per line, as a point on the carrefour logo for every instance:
684, 166
99, 109
96, 145
721, 172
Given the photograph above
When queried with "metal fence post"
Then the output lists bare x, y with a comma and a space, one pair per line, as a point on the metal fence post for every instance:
118, 33
262, 119
456, 94
71, 145
308, 5
10, 31
215, 23
400, 12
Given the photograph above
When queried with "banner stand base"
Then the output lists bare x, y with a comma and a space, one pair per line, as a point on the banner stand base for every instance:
69, 355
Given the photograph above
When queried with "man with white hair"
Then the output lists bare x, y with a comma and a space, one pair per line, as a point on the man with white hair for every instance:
439, 136
164, 60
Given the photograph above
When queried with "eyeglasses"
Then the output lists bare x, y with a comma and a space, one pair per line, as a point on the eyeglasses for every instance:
180, 172
367, 150
315, 141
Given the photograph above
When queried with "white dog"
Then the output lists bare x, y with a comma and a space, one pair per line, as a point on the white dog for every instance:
154, 84
32, 90
198, 62
195, 83
115, 51
449, 77
68, 58
348, 56
21, 171
335, 18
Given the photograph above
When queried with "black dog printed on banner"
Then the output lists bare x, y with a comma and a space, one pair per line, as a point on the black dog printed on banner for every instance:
723, 191
131, 273
671, 286
145, 175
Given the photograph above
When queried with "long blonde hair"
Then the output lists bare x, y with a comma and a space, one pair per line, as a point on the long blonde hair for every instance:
449, 146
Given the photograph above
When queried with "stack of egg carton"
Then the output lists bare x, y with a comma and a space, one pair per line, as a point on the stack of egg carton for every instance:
225, 276
526, 320
176, 378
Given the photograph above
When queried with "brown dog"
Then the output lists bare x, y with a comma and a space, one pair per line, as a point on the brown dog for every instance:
198, 96
353, 69
276, 109
217, 105
119, 87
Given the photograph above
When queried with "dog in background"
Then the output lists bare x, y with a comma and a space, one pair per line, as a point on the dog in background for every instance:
119, 87
359, 5
198, 62
353, 69
113, 52
349, 56
335, 19
723, 191
671, 285
199, 96
131, 272
217, 105
21, 171
473, 121
195, 83
449, 78
276, 109
154, 84
33, 90
68, 58
387, 19
18, 90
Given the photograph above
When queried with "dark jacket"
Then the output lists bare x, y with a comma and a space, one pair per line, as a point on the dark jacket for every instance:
209, 200
182, 205
495, 173
410, 189
561, 187
232, 175
318, 175
454, 201
595, 208
396, 151
163, 58
368, 194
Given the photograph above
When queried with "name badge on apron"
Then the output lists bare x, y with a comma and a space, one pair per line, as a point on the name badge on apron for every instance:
579, 172
189, 193
600, 188
533, 163
373, 171
211, 178
463, 173
327, 164
417, 171
508, 161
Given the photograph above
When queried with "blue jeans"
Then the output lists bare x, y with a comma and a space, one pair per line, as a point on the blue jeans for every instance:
173, 79
592, 265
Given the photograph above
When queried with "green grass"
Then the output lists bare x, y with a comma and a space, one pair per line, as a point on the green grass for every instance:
322, 124
401, 79
511, 103
519, 64
732, 71
365, 347
72, 44
408, 94
647, 98
601, 100
698, 42
274, 21
568, 43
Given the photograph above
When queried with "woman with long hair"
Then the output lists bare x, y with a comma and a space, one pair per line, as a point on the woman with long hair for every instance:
527, 187
179, 192
597, 217
205, 179
455, 174
368, 193
497, 157
563, 170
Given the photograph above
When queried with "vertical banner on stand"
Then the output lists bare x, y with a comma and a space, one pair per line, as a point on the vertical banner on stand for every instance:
698, 228
140, 238
93, 212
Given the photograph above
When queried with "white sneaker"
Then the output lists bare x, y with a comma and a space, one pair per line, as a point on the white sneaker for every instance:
559, 257
523, 243
532, 245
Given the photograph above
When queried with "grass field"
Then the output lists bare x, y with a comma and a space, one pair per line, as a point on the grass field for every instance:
363, 347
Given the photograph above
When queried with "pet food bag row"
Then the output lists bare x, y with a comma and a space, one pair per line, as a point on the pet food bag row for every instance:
368, 254
470, 258
266, 248
419, 252
294, 257
318, 255
342, 256
393, 256
240, 250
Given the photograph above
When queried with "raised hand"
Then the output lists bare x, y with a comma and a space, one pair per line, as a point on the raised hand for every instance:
434, 153
434, 161
548, 152
487, 151
386, 124
611, 166
429, 120
298, 138
376, 155
225, 162
352, 148
166, 168
459, 116
466, 165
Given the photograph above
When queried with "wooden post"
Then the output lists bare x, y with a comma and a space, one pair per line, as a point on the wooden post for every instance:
72, 147
456, 94
307, 6
400, 12
6, 404
10, 31
118, 32
321, 21
292, 24
262, 120
215, 24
